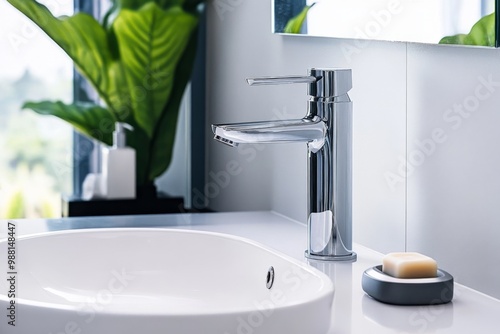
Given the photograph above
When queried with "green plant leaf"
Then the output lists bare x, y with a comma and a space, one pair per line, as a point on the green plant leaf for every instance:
131, 65
482, 33
87, 44
118, 5
136, 4
151, 42
294, 25
163, 140
90, 119
164, 4
132, 61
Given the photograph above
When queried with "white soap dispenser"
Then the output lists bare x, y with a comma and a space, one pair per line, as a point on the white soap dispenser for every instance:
118, 166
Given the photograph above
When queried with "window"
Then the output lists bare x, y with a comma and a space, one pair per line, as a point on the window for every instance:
41, 157
36, 151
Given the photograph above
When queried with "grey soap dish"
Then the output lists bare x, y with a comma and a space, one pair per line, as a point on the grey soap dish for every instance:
408, 291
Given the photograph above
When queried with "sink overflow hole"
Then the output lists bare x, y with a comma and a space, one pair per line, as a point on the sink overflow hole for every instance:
270, 278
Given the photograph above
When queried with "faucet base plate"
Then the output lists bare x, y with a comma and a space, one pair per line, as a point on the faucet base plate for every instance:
338, 258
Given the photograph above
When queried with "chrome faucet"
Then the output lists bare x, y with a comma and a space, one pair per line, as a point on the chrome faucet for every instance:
327, 130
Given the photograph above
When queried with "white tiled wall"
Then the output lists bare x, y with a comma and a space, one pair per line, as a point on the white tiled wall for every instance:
451, 195
454, 177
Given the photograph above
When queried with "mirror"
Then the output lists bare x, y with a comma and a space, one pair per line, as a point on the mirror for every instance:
421, 21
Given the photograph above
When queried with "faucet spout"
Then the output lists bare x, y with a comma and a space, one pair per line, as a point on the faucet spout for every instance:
311, 130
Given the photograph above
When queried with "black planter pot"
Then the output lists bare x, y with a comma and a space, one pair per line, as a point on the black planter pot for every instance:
147, 201
147, 191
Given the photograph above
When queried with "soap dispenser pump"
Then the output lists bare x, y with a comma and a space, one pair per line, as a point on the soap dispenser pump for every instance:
118, 166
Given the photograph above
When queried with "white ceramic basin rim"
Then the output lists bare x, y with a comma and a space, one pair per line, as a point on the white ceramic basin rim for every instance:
185, 280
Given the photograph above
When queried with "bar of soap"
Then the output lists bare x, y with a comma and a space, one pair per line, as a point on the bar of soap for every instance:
409, 265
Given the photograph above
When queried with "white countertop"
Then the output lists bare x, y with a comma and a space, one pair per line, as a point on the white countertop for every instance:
353, 311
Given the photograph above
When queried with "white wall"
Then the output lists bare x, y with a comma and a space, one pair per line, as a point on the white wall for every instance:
454, 185
394, 83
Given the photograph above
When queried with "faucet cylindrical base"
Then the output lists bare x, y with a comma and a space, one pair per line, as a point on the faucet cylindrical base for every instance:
340, 258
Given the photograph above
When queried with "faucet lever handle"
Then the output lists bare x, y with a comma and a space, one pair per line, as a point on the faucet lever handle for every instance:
281, 80
322, 83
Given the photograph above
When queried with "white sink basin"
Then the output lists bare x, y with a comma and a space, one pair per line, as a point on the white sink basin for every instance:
161, 281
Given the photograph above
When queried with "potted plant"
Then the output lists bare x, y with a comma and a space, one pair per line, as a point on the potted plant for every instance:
139, 60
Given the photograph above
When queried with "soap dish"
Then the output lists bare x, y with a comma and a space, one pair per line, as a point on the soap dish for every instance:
408, 291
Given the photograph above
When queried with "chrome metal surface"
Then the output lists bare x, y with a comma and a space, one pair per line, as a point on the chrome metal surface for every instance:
327, 130
280, 80
311, 130
322, 82
347, 258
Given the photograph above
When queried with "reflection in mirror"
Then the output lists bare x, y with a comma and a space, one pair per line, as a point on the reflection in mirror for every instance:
422, 21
